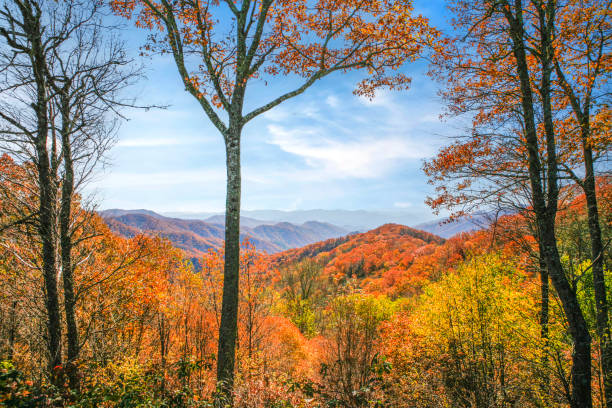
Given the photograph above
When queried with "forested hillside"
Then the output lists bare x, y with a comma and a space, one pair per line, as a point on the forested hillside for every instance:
393, 315
392, 259
132, 309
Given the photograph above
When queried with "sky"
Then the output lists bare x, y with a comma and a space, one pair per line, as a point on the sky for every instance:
325, 149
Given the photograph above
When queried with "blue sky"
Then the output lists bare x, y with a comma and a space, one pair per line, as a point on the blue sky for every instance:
326, 149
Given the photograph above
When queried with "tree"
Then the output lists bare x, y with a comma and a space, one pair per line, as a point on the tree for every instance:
501, 70
353, 364
300, 285
18, 257
470, 340
582, 65
220, 48
88, 72
26, 120
255, 299
83, 68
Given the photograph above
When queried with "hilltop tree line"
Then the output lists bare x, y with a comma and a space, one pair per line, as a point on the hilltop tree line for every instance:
393, 317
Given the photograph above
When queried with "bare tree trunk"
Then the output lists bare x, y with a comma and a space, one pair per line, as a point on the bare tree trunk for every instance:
582, 114
47, 232
599, 283
229, 311
66, 248
544, 331
581, 368
581, 357
163, 348
47, 218
51, 46
12, 331
23, 31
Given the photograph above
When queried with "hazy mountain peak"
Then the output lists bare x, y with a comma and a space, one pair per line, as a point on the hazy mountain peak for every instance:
334, 222
196, 236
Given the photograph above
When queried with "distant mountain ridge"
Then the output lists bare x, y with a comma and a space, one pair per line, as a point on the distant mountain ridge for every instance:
219, 219
446, 228
116, 212
351, 220
197, 236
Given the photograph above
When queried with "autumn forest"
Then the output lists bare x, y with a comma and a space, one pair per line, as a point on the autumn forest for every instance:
139, 310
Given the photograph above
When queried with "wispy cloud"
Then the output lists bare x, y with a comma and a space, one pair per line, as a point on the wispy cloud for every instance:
324, 149
276, 115
361, 157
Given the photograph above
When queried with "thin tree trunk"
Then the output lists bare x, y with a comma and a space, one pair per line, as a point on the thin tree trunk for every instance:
66, 252
12, 331
47, 219
46, 230
544, 330
229, 310
163, 348
599, 284
581, 357
582, 114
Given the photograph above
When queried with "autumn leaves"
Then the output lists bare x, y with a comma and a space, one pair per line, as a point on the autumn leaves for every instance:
531, 76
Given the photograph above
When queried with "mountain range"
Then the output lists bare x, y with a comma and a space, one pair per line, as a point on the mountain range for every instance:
272, 234
197, 236
351, 220
447, 228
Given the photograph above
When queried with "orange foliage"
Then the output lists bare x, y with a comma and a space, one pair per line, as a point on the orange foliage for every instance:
283, 38
392, 259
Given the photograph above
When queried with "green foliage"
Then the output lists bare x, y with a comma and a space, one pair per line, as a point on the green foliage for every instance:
364, 311
585, 290
15, 391
301, 313
128, 384
124, 385
301, 284
352, 373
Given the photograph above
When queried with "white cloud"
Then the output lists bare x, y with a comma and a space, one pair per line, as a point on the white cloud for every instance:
310, 111
277, 114
332, 101
362, 157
